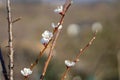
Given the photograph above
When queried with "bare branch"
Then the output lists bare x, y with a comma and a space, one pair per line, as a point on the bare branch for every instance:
10, 43
16, 20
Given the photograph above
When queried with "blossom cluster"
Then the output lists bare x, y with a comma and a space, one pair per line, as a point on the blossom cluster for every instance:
59, 9
69, 63
26, 72
47, 35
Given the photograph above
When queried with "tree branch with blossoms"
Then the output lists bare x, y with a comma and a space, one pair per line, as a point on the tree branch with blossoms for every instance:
61, 11
50, 54
49, 37
72, 63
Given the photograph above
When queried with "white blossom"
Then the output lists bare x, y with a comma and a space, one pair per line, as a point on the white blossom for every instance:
26, 71
55, 26
44, 41
46, 37
69, 63
59, 9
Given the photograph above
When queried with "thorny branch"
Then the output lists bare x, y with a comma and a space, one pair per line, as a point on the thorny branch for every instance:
10, 41
77, 57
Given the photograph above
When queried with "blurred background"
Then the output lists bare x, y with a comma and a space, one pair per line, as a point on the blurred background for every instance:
101, 61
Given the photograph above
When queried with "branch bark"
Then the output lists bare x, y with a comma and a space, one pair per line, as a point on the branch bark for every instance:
10, 41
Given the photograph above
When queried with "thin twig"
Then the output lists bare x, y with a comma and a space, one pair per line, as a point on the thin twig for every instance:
65, 73
16, 20
66, 7
50, 55
4, 70
10, 43
77, 57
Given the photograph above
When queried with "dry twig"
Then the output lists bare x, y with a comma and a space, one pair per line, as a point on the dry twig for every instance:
10, 43
16, 20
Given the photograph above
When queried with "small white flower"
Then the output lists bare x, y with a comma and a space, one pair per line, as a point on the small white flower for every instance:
44, 41
69, 63
47, 35
26, 72
59, 9
55, 26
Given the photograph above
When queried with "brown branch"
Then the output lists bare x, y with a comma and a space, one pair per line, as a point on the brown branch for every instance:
10, 43
16, 20
86, 46
50, 55
77, 57
64, 75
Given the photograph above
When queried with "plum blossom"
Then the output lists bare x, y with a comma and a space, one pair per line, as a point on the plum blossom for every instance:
26, 72
69, 63
59, 9
44, 41
56, 26
46, 37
